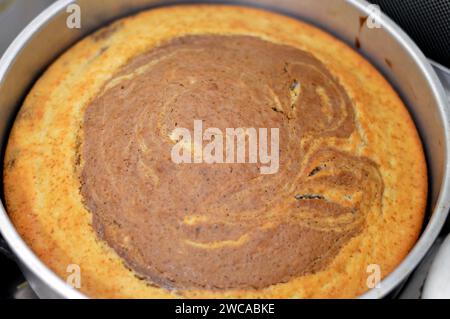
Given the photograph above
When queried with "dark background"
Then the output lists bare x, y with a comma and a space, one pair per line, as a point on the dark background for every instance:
426, 21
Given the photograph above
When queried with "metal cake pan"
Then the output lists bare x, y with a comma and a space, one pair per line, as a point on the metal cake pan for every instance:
387, 47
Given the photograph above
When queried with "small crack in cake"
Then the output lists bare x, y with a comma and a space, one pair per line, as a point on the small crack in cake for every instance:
89, 178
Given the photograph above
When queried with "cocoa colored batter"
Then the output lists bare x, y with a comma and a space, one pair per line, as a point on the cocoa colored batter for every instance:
224, 226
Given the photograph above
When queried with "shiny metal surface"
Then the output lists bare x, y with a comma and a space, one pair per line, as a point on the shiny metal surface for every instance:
387, 47
15, 15
437, 283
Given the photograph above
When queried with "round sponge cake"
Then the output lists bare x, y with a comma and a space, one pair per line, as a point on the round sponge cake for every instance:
89, 179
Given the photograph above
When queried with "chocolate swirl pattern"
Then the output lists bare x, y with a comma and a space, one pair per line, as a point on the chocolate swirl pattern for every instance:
224, 226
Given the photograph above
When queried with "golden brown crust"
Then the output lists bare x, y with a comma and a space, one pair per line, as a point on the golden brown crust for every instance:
41, 173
